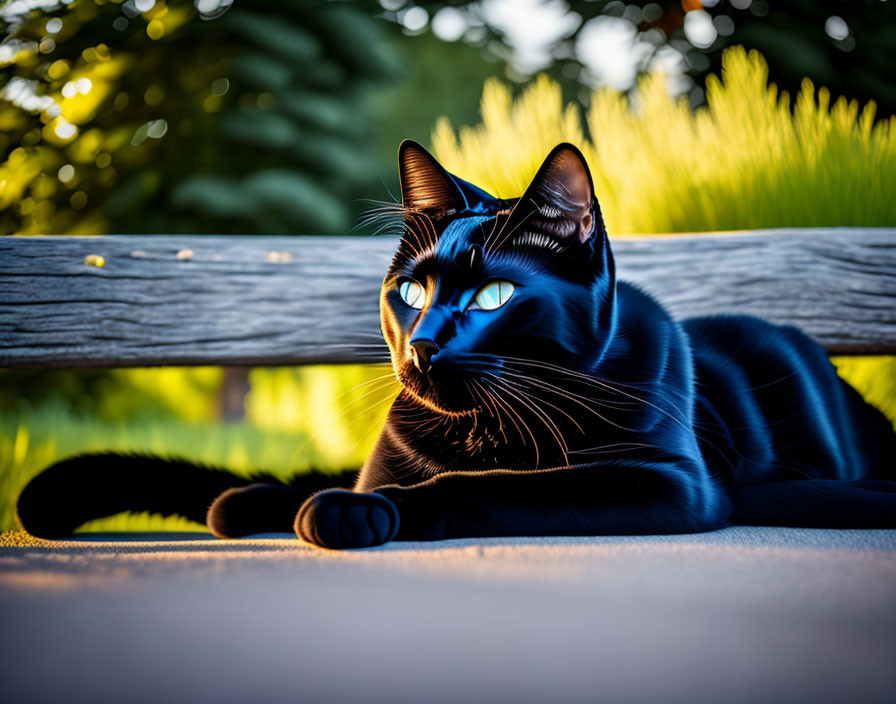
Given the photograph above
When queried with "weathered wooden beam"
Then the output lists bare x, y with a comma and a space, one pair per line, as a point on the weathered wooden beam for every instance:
253, 300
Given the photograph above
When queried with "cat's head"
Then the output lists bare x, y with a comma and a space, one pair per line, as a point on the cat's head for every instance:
481, 285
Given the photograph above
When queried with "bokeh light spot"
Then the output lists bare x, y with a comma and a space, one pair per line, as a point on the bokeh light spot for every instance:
83, 85
836, 28
140, 135
449, 24
266, 101
155, 29
57, 69
609, 49
154, 95
121, 101
103, 160
652, 12
156, 129
414, 18
120, 23
724, 25
66, 173
212, 103
78, 200
69, 90
54, 25
144, 5
220, 86
46, 45
210, 9
699, 29
64, 129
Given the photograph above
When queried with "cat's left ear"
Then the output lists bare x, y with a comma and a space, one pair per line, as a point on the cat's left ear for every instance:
560, 200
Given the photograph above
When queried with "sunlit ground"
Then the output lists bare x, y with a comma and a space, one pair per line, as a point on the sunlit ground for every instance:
740, 615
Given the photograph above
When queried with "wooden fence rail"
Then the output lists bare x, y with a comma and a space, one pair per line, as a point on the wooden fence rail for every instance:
255, 300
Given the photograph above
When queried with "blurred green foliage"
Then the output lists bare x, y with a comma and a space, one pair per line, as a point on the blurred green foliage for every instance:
438, 78
226, 119
188, 393
156, 116
874, 378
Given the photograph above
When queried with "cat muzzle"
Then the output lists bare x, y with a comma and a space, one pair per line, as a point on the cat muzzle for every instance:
422, 352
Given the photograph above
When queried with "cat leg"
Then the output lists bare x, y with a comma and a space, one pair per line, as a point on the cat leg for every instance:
594, 499
817, 503
257, 508
267, 507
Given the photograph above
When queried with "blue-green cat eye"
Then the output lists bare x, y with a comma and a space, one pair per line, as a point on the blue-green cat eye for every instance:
493, 295
412, 293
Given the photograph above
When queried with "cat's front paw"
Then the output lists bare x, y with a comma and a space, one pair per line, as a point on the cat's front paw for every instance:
341, 519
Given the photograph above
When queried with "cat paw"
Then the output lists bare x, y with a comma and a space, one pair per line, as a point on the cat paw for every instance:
340, 519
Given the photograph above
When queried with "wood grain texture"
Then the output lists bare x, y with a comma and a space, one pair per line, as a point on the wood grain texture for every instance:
257, 300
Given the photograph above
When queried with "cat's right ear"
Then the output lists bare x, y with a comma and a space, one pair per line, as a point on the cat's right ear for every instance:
425, 185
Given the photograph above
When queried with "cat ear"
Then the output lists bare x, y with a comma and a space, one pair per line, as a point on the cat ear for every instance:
560, 200
427, 187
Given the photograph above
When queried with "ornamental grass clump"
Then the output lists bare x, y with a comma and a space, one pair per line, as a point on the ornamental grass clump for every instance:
745, 160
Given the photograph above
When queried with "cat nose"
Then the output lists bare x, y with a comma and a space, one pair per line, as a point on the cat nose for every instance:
423, 352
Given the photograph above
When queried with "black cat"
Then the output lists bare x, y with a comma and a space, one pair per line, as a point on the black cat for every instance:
541, 397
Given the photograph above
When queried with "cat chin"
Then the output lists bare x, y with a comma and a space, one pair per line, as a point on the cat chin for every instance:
429, 400
433, 406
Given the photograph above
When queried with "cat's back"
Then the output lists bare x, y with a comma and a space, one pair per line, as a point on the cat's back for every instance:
770, 406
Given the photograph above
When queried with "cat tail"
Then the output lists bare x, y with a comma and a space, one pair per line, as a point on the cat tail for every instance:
79, 489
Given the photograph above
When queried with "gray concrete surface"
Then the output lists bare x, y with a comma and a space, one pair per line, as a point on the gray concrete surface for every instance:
741, 615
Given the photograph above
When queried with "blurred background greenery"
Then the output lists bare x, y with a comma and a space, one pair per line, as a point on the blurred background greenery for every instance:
283, 117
